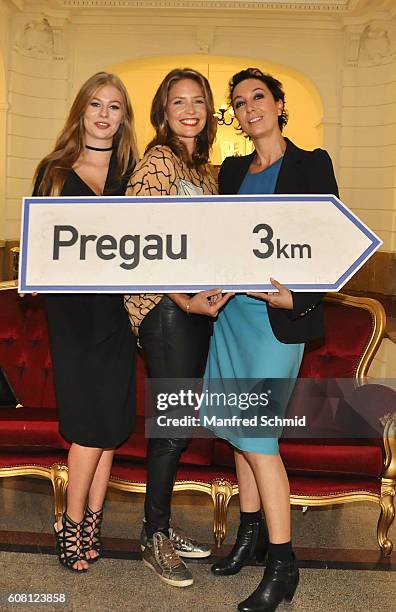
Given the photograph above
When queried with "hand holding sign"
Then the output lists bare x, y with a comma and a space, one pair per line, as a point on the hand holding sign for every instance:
187, 245
281, 299
207, 302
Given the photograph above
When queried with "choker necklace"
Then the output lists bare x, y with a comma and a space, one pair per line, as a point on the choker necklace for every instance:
97, 148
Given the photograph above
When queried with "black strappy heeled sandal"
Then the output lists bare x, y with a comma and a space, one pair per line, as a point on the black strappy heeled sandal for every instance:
69, 543
91, 533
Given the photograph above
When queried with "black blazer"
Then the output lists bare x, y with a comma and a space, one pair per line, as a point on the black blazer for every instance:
302, 172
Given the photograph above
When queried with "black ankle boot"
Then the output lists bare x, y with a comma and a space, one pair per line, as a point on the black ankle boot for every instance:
251, 544
279, 582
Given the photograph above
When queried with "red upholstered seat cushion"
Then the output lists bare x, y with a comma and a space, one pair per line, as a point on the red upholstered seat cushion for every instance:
314, 485
137, 473
36, 429
299, 485
333, 457
326, 457
30, 429
199, 451
39, 458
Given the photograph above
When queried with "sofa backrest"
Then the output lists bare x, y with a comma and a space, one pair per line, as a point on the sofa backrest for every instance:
354, 328
24, 349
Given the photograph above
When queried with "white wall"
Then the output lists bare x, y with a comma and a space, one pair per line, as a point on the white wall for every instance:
5, 19
142, 78
38, 94
356, 85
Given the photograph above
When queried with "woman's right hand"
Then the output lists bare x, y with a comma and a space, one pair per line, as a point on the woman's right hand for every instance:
207, 302
20, 294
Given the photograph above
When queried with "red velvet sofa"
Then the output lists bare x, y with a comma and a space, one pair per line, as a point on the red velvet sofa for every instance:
322, 471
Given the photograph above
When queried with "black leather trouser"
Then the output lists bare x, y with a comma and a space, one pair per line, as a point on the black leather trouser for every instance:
175, 345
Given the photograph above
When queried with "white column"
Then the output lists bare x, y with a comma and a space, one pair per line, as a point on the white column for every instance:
3, 154
368, 146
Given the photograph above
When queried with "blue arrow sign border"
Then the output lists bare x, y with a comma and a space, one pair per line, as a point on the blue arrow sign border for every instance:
31, 201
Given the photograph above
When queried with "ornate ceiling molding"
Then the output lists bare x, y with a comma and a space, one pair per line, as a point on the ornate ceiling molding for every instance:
327, 6
345, 8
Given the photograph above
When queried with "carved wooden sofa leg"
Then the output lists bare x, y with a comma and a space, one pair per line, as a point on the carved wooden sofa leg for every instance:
221, 491
387, 514
388, 487
59, 479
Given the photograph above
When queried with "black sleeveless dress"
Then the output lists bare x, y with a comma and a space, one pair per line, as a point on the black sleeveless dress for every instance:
93, 353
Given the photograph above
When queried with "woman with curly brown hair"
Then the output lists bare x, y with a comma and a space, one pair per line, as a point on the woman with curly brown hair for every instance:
261, 336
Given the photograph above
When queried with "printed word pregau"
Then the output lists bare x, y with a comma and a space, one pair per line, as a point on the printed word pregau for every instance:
130, 248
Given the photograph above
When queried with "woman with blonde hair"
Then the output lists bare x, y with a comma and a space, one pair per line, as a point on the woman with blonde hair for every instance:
92, 348
174, 330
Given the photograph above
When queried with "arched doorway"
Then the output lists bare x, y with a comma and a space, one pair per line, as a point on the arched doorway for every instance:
142, 77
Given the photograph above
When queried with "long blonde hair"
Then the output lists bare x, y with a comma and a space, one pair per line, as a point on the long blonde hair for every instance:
163, 133
70, 142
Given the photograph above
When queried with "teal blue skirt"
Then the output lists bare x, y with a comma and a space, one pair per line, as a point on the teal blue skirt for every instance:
243, 347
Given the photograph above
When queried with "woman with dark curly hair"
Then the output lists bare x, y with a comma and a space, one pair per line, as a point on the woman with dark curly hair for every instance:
262, 336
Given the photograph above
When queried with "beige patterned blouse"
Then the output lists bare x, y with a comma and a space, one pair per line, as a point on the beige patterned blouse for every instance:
161, 172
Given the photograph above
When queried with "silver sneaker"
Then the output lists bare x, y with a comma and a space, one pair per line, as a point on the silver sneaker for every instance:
183, 545
187, 547
160, 556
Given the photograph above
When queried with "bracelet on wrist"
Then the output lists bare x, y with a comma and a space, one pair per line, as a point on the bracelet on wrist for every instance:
188, 307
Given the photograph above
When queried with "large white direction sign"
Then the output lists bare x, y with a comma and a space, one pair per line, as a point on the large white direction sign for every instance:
103, 244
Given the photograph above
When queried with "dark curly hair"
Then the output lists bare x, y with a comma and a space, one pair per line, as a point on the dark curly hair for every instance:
275, 87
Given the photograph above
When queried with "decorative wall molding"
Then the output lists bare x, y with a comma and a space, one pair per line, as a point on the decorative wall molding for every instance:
377, 45
327, 6
205, 38
39, 38
371, 43
346, 8
353, 36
